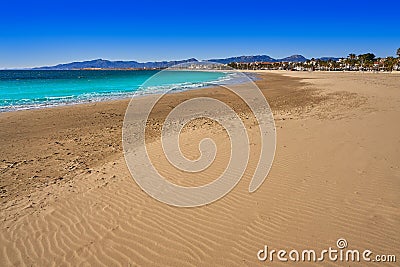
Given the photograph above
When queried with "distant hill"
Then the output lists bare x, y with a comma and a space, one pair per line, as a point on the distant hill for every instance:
107, 64
294, 58
259, 58
246, 59
329, 58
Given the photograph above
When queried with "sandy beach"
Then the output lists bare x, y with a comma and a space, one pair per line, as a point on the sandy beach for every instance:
68, 199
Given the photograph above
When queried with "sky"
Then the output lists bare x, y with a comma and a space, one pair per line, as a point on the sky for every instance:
39, 33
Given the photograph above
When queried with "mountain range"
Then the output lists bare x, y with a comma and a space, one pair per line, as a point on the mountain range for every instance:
107, 64
258, 58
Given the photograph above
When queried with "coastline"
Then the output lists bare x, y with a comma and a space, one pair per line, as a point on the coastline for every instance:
229, 78
64, 181
125, 96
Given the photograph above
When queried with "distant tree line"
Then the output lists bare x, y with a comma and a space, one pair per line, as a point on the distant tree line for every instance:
353, 62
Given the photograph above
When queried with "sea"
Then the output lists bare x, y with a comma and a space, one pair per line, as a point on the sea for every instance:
30, 89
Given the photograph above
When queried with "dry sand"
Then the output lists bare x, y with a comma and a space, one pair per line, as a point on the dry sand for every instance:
67, 197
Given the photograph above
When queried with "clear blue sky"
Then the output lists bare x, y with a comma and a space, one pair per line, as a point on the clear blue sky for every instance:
36, 33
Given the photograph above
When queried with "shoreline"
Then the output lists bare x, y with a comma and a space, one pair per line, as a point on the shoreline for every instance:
126, 97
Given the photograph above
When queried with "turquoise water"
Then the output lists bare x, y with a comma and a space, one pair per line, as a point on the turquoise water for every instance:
26, 89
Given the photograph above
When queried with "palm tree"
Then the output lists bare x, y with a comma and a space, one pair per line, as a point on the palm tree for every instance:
352, 56
390, 62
